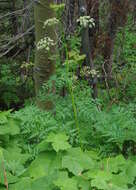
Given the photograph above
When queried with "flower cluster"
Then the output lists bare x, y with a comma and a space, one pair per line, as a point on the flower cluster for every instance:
94, 73
50, 22
45, 43
86, 71
86, 21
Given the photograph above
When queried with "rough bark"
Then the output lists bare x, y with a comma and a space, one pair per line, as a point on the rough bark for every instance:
117, 18
93, 11
44, 67
69, 17
86, 46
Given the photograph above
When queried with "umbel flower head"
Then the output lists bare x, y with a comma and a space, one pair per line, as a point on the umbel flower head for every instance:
51, 22
86, 21
45, 43
87, 71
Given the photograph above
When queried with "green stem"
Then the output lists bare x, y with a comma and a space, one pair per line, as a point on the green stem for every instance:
72, 96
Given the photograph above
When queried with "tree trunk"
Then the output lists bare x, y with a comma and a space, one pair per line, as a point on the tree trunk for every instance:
44, 67
117, 18
93, 11
70, 18
86, 47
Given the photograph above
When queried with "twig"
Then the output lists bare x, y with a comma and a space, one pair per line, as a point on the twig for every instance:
16, 12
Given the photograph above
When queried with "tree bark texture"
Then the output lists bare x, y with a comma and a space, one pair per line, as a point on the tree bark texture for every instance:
86, 46
69, 16
93, 11
118, 18
44, 67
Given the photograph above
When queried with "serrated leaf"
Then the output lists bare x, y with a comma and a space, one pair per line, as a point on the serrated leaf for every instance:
9, 176
58, 141
9, 128
43, 183
76, 161
82, 183
8, 125
66, 184
100, 184
23, 184
27, 183
114, 164
43, 146
130, 171
101, 180
14, 154
3, 117
120, 181
43, 165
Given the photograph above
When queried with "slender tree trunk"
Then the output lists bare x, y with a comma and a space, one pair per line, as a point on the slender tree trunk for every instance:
86, 47
70, 11
117, 18
44, 67
93, 11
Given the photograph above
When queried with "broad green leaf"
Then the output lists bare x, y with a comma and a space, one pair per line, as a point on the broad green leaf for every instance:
3, 117
101, 180
43, 165
34, 184
114, 164
93, 155
58, 141
15, 155
66, 183
23, 184
8, 125
82, 183
9, 128
44, 183
76, 161
130, 171
13, 161
10, 178
120, 180
43, 146
99, 184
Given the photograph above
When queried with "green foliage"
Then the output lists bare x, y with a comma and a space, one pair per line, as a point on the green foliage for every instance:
35, 124
16, 82
81, 143
8, 84
77, 161
12, 160
8, 126
75, 169
124, 70
43, 150
125, 44
117, 126
58, 141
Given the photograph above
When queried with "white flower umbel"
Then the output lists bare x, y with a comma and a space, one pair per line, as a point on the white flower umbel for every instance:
87, 71
86, 21
93, 72
51, 22
45, 43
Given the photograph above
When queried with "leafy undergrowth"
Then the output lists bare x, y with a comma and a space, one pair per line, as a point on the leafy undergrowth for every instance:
42, 150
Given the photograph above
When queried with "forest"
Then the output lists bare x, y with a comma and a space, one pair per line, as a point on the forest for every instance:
67, 94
